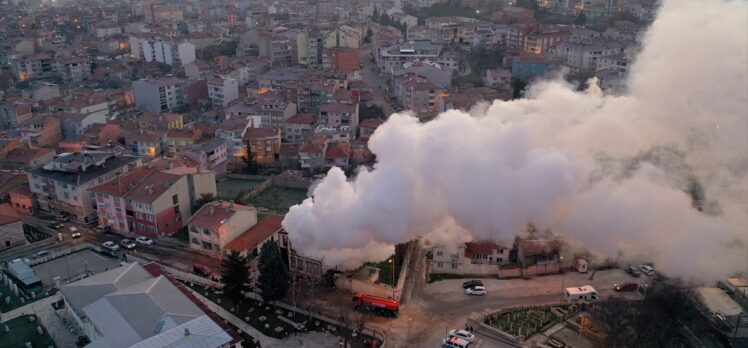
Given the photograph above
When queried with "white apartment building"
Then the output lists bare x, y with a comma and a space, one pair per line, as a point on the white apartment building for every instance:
157, 95
222, 91
156, 49
218, 223
584, 56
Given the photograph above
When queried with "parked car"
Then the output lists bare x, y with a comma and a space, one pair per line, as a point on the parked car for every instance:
626, 286
63, 217
110, 245
648, 270
143, 240
464, 334
26, 260
202, 270
55, 225
128, 244
476, 290
471, 283
454, 342
74, 232
103, 229
633, 271
42, 253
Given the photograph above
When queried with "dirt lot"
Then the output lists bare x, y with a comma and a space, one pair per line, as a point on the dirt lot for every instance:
443, 305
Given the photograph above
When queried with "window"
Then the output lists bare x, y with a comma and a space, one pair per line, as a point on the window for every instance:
454, 266
207, 232
195, 241
194, 228
207, 246
438, 253
175, 199
440, 264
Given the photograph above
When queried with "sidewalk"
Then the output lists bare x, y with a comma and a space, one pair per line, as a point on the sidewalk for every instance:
60, 333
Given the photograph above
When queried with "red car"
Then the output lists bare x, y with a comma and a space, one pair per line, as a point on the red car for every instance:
202, 270
626, 286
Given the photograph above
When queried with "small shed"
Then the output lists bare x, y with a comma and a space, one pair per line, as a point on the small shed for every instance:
23, 275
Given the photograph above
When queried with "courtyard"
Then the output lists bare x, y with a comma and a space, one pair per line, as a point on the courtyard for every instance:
73, 264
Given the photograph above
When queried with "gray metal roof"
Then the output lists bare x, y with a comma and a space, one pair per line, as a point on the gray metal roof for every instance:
21, 271
203, 333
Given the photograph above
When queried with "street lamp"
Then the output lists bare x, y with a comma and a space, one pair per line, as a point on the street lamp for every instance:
392, 271
563, 276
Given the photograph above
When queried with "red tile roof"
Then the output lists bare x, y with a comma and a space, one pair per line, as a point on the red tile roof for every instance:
337, 108
302, 119
256, 234
119, 187
481, 247
152, 187
341, 149
259, 133
212, 215
539, 247
8, 215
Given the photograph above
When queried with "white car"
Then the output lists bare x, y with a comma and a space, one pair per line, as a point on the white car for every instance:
455, 342
128, 244
648, 270
476, 290
464, 334
144, 240
74, 232
111, 245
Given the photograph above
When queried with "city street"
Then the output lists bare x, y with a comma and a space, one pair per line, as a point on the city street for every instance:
378, 85
170, 253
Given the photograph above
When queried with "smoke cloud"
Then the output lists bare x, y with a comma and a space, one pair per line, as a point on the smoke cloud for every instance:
612, 173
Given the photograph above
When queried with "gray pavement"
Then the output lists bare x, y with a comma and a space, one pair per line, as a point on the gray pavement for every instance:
73, 264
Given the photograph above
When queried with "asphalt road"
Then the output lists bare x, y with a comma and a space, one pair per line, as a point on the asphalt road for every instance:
175, 255
378, 85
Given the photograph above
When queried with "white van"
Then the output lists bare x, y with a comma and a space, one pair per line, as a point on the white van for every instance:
581, 293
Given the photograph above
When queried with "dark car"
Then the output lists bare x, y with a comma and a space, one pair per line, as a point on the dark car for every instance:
55, 225
626, 286
39, 254
202, 270
633, 271
472, 283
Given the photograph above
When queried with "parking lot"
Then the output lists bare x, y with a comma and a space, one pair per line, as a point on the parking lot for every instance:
72, 264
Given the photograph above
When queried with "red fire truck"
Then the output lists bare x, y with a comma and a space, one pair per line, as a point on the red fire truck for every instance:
383, 306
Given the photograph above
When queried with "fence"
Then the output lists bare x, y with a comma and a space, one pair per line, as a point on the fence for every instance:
342, 281
244, 197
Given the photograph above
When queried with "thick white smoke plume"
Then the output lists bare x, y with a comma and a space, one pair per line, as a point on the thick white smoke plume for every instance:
612, 173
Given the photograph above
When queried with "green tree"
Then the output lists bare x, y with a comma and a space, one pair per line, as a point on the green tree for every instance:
235, 275
251, 166
581, 19
274, 278
204, 199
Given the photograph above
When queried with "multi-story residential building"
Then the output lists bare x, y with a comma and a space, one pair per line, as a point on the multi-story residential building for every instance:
161, 94
27, 67
250, 242
104, 29
74, 69
310, 47
222, 91
336, 114
337, 154
583, 55
418, 94
160, 13
264, 143
482, 257
14, 114
334, 133
269, 108
210, 155
149, 202
216, 224
41, 90
163, 50
298, 128
499, 78
62, 184
617, 62
147, 143
312, 154
232, 131
392, 58
41, 131
11, 228
24, 158
344, 36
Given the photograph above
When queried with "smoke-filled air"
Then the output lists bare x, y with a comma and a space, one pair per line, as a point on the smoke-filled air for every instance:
658, 172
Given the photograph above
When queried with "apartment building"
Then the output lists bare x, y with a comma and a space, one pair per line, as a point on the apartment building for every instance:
159, 94
336, 114
216, 224
41, 131
478, 257
264, 143
33, 66
13, 114
210, 155
298, 128
584, 55
74, 69
163, 50
62, 184
393, 57
222, 91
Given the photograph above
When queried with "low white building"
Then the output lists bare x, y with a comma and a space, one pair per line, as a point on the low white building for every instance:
483, 257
